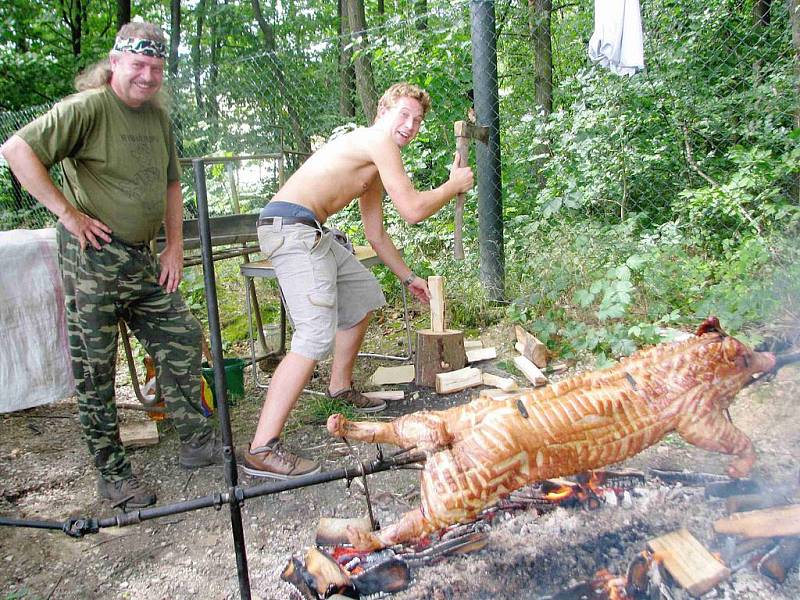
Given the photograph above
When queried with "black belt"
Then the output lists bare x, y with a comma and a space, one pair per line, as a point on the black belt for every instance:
290, 221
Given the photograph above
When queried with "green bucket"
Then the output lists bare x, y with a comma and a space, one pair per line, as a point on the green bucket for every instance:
234, 378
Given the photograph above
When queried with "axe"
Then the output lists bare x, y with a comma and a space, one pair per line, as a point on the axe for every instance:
464, 131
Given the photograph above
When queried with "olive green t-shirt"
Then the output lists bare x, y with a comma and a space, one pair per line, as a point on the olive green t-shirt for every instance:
117, 160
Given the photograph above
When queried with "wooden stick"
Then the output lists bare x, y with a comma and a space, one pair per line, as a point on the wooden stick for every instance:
748, 502
532, 349
386, 394
781, 559
462, 147
479, 354
769, 522
436, 288
530, 370
507, 384
455, 381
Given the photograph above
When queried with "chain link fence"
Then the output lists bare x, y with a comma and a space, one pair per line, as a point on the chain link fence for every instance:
641, 197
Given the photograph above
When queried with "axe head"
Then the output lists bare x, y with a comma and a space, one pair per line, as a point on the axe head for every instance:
470, 131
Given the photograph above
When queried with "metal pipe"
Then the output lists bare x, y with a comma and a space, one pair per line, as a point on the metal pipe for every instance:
487, 109
220, 388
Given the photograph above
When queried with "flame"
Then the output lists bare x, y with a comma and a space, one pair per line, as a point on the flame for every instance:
559, 494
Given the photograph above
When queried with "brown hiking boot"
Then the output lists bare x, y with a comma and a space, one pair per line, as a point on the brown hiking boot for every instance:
359, 401
275, 461
128, 493
201, 451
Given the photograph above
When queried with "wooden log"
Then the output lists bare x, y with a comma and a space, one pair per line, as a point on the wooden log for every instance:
532, 349
688, 561
470, 344
138, 434
530, 370
748, 502
438, 353
781, 559
770, 522
455, 381
479, 354
507, 384
436, 288
386, 394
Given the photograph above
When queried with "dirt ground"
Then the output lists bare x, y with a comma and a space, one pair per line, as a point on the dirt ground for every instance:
46, 473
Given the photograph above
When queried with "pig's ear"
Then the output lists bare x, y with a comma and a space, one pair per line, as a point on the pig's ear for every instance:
710, 325
733, 350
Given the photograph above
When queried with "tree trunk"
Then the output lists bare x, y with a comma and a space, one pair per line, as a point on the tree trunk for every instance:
172, 67
794, 12
197, 67
123, 13
421, 14
539, 19
212, 106
761, 10
347, 73
365, 80
278, 76
74, 14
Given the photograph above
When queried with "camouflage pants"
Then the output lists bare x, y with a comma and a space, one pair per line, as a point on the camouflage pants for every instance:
121, 282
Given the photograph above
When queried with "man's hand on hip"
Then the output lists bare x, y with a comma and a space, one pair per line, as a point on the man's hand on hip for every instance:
85, 228
171, 260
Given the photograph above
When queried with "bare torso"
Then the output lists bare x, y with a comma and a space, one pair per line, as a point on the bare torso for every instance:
334, 175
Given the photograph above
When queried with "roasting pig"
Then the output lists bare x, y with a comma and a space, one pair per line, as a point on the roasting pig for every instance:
481, 451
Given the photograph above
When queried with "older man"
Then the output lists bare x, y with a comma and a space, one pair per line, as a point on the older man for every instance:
329, 294
120, 183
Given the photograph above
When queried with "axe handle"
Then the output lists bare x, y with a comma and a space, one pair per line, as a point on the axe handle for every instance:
462, 147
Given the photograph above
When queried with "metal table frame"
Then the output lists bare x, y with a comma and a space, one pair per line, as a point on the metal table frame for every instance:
365, 254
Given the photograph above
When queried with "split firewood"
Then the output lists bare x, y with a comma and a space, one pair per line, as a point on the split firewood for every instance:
386, 394
769, 522
332, 531
507, 384
326, 573
781, 559
531, 348
479, 354
734, 487
472, 344
293, 574
530, 370
138, 434
455, 381
387, 577
688, 561
393, 375
436, 288
749, 502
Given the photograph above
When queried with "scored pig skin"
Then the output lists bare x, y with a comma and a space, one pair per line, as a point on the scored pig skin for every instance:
481, 451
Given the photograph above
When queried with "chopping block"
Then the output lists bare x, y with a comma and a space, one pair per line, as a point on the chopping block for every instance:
439, 349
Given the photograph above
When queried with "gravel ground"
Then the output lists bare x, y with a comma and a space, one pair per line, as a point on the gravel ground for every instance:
46, 473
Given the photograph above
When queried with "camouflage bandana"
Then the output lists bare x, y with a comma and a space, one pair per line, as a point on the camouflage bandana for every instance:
141, 46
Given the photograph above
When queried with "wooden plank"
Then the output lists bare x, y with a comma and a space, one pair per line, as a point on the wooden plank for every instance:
393, 375
136, 434
688, 561
470, 344
507, 384
479, 354
532, 349
455, 381
436, 288
530, 370
769, 522
386, 394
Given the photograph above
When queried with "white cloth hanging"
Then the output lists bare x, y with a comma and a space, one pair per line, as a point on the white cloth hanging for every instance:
617, 41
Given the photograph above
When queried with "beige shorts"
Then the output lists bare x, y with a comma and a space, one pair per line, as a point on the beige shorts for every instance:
324, 287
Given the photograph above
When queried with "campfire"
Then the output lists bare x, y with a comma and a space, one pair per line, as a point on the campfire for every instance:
760, 533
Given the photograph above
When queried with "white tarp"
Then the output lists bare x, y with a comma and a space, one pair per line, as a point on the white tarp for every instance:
34, 352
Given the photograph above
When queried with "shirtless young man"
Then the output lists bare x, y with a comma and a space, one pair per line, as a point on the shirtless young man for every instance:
329, 294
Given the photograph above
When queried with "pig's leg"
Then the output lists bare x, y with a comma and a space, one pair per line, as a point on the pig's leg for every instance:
426, 431
716, 433
412, 526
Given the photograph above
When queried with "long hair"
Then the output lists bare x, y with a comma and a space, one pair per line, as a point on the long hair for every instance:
99, 74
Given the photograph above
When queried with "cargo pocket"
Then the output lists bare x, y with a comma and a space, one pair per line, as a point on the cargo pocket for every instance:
325, 300
269, 241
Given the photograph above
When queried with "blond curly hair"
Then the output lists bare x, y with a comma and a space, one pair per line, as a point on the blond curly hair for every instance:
405, 90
